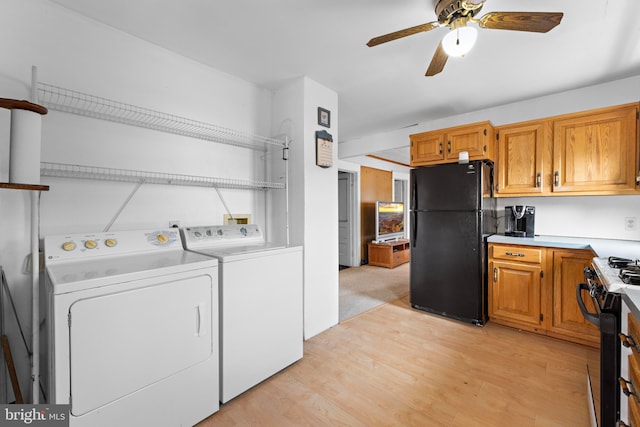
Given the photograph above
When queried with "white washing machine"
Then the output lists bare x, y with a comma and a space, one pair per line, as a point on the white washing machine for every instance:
260, 303
132, 329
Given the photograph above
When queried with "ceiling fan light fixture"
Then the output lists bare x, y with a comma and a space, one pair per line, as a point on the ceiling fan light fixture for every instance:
459, 41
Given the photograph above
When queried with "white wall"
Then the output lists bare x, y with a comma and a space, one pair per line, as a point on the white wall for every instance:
313, 197
76, 53
594, 216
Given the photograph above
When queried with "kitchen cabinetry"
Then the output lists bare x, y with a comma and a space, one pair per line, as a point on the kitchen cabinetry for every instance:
629, 369
515, 285
524, 158
389, 254
588, 153
566, 319
596, 150
444, 145
534, 288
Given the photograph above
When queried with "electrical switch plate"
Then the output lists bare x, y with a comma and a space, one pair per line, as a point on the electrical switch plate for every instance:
631, 223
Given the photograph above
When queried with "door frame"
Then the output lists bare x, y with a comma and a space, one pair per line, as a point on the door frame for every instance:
353, 215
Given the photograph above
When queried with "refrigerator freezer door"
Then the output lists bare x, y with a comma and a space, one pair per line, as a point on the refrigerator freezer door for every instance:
448, 187
447, 265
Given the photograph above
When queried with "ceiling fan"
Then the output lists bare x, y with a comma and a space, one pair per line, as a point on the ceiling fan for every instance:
456, 14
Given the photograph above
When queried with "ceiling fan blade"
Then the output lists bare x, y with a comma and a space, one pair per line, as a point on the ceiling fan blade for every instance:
402, 33
537, 22
437, 62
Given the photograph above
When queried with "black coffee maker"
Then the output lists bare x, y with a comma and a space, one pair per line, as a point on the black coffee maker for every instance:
519, 221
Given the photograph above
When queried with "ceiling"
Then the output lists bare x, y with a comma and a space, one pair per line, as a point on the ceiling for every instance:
383, 88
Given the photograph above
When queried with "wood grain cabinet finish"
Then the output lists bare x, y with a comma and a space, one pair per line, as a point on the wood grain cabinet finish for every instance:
524, 158
567, 319
389, 254
515, 279
534, 288
444, 145
594, 152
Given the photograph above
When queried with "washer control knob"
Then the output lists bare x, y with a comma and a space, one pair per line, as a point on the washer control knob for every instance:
162, 238
68, 246
110, 242
90, 244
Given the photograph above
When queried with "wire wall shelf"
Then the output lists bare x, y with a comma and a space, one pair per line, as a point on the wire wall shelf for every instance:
70, 101
62, 170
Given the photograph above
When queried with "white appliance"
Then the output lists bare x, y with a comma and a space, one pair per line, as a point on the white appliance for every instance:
132, 329
260, 303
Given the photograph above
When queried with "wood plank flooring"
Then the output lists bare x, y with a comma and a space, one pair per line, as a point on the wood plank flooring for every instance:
396, 366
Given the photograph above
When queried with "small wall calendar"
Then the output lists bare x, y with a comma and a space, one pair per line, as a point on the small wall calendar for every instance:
324, 149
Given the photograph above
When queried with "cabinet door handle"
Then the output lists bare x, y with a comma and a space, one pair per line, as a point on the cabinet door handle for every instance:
495, 274
514, 254
448, 146
556, 178
629, 342
538, 180
626, 390
441, 148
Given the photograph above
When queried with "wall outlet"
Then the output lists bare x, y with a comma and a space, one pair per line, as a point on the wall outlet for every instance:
174, 223
631, 223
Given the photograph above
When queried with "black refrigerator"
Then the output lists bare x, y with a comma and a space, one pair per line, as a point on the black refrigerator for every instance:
452, 213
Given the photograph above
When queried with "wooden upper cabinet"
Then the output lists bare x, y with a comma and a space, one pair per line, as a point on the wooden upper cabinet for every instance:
596, 151
444, 145
524, 156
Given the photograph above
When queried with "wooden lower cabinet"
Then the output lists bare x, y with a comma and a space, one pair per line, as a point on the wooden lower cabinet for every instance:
389, 254
534, 288
515, 292
566, 318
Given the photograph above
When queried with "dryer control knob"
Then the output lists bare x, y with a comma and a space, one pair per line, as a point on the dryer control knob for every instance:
162, 238
110, 242
90, 244
68, 246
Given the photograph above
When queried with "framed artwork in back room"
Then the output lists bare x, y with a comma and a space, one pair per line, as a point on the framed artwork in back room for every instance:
324, 117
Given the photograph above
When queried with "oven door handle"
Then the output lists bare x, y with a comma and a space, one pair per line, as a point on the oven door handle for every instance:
591, 317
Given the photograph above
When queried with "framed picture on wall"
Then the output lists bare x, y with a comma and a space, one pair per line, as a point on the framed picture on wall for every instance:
324, 117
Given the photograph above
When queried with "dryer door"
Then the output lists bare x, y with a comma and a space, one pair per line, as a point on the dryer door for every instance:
123, 342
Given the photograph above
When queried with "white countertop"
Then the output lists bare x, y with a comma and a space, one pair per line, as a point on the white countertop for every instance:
602, 247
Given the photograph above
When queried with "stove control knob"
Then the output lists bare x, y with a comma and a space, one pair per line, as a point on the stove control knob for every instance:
197, 234
68, 246
589, 273
162, 238
90, 244
110, 242
219, 232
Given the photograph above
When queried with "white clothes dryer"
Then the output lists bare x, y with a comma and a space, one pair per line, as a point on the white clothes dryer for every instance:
260, 303
132, 329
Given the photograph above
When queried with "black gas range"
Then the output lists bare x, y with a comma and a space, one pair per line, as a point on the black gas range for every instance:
605, 281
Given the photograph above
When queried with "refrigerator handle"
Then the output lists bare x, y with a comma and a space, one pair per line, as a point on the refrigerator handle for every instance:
414, 227
414, 196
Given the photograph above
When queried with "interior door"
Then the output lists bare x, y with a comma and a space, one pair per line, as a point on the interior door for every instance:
123, 342
345, 244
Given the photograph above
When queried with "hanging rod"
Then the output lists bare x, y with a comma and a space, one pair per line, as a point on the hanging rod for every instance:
62, 170
70, 101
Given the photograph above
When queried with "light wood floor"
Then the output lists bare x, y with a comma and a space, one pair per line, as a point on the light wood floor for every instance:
395, 366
